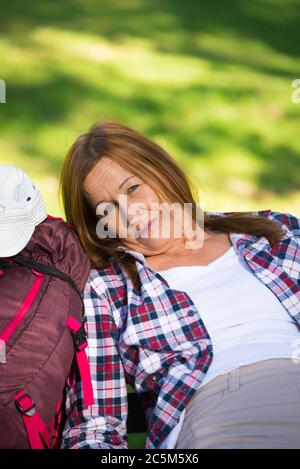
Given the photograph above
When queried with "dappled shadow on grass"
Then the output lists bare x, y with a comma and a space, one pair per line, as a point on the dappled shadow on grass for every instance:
170, 26
272, 22
280, 172
278, 168
34, 106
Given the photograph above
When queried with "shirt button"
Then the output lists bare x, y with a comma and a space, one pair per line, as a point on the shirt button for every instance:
191, 312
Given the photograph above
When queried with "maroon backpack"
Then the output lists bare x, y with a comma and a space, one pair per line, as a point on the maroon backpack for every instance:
42, 335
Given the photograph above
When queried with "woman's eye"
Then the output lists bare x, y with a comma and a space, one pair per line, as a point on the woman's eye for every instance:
135, 185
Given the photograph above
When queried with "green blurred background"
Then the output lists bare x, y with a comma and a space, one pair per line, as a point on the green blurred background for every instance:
211, 81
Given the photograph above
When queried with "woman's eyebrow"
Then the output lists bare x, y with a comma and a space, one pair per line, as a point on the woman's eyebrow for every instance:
125, 181
122, 183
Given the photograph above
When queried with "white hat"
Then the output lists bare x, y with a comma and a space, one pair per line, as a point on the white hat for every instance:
21, 210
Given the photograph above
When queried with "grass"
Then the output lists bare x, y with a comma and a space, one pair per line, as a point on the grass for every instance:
210, 81
212, 84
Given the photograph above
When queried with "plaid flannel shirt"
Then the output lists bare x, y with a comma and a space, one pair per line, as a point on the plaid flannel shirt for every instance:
155, 340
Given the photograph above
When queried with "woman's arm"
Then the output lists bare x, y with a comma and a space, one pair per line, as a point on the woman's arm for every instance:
102, 425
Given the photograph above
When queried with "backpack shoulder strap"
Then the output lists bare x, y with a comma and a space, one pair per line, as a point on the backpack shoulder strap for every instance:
46, 269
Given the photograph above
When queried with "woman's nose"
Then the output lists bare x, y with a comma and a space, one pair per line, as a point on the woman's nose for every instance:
136, 216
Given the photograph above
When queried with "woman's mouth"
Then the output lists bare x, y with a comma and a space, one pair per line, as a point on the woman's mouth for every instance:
147, 226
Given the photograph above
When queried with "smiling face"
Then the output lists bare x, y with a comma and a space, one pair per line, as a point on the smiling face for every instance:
108, 183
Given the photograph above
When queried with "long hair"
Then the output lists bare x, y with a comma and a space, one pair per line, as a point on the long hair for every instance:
151, 163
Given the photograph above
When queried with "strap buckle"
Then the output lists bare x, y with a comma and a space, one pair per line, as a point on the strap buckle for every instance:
80, 337
25, 405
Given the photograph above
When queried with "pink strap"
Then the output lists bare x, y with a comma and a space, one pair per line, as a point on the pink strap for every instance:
26, 305
83, 363
37, 432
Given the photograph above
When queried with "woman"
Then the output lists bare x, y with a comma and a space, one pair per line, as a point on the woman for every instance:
204, 332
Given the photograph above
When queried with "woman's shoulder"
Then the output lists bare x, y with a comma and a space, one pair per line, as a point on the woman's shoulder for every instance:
105, 296
288, 219
106, 281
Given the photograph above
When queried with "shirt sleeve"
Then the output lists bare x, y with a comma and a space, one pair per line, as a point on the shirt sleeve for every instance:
102, 425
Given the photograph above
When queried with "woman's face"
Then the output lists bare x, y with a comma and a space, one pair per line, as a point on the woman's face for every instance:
108, 183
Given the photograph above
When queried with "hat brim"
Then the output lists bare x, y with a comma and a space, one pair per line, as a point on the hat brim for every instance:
13, 241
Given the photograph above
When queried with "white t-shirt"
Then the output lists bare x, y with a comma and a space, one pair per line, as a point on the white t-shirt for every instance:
245, 320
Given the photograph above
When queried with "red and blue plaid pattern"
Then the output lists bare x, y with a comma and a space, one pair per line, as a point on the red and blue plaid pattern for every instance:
155, 340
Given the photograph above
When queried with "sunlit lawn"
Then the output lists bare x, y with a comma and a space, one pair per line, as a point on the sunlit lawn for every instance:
209, 81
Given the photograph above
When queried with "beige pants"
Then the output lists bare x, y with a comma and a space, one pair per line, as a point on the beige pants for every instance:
254, 406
